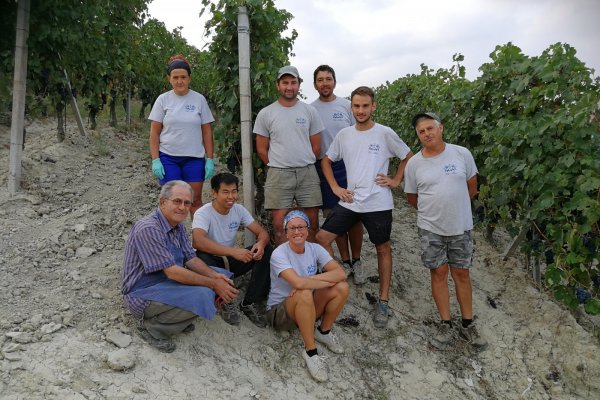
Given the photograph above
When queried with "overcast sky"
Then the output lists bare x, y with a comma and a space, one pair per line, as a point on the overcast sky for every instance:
371, 42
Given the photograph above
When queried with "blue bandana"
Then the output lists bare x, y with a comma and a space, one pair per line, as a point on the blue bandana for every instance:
295, 214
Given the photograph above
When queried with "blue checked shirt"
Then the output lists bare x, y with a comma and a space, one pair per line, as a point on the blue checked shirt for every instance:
147, 250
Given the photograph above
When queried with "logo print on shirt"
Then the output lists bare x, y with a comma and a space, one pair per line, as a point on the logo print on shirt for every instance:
190, 108
338, 116
233, 226
450, 169
374, 148
312, 269
301, 121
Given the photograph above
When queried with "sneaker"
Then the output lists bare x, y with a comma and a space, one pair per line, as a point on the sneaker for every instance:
348, 269
229, 313
381, 315
316, 366
162, 345
471, 335
254, 314
443, 338
329, 340
360, 273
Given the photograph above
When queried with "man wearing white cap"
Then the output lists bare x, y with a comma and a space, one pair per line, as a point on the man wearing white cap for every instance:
288, 140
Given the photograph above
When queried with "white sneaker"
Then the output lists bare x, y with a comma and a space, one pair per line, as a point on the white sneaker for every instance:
360, 273
329, 340
316, 366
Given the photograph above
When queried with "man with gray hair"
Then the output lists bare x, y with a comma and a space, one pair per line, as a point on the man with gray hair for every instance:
164, 284
440, 181
288, 140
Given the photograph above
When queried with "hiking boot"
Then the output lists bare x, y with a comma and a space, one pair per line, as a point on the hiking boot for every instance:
381, 314
254, 314
316, 366
471, 335
348, 269
444, 336
329, 340
229, 313
162, 345
360, 273
189, 328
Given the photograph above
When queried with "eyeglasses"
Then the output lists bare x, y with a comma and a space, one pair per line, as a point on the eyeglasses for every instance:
179, 202
301, 228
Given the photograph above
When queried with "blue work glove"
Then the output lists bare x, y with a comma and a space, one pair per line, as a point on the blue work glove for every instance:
209, 168
157, 168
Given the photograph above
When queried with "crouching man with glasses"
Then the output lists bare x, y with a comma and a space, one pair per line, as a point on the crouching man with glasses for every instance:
307, 285
164, 284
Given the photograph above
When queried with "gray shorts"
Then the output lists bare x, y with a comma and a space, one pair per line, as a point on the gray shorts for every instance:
437, 250
278, 318
284, 185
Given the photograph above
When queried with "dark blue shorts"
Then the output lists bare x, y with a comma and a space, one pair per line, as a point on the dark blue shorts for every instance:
339, 173
187, 169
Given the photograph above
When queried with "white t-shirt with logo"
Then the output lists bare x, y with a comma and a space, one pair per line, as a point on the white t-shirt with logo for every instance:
314, 258
336, 115
289, 130
222, 228
366, 154
182, 118
444, 205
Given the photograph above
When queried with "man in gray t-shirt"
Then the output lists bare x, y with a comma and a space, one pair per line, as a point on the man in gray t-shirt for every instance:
288, 140
440, 182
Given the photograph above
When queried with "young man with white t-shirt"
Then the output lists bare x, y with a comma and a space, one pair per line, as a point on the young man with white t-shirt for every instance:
214, 230
366, 149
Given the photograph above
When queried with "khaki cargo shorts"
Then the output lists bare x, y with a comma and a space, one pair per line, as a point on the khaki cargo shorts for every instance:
284, 185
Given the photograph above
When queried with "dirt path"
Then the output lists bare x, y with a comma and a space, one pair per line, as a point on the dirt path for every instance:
62, 322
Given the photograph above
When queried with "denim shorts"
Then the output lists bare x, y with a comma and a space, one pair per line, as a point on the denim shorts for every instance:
437, 250
187, 169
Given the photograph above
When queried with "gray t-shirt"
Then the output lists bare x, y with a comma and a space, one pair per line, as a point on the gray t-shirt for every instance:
182, 118
289, 130
336, 115
314, 258
367, 153
222, 228
444, 205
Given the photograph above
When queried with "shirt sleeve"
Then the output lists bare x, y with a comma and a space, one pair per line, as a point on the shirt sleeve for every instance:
470, 166
201, 219
205, 115
279, 261
316, 123
158, 110
260, 127
335, 148
410, 184
246, 217
396, 145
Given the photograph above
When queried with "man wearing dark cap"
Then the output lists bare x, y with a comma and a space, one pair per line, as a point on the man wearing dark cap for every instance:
440, 182
288, 140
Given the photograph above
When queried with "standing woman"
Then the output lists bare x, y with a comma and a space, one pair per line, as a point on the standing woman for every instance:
181, 140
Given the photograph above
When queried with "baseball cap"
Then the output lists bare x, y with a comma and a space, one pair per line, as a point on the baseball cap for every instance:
288, 70
428, 115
